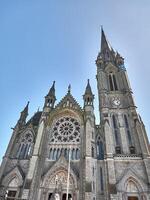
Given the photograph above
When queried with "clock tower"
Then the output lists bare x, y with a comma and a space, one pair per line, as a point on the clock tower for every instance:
121, 124
115, 99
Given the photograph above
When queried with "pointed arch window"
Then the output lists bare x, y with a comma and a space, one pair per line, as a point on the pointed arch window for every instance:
115, 126
66, 153
73, 155
25, 146
100, 150
77, 154
116, 134
54, 154
128, 130
101, 180
51, 154
92, 152
112, 82
58, 154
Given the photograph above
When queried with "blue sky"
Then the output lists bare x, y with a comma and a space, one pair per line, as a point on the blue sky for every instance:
46, 40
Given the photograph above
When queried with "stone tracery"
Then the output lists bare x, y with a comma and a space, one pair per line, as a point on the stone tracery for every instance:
25, 145
66, 129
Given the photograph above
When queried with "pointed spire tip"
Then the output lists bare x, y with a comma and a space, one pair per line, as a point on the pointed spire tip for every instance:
69, 88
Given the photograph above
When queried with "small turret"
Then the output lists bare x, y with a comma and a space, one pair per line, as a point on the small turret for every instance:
120, 61
88, 95
23, 115
50, 98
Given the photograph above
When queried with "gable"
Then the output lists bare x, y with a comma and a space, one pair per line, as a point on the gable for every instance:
15, 175
68, 102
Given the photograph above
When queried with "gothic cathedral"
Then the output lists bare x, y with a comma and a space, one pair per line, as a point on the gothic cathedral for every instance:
60, 153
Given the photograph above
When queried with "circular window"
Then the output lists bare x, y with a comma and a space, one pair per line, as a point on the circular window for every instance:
66, 129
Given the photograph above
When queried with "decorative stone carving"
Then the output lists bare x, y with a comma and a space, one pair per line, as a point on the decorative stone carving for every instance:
59, 178
66, 130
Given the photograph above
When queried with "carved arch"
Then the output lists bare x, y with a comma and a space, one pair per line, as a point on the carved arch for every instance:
14, 174
132, 185
131, 175
61, 166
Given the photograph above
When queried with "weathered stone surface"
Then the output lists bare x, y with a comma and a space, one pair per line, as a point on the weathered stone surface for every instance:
108, 161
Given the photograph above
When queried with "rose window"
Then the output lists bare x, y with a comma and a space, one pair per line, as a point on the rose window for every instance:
66, 129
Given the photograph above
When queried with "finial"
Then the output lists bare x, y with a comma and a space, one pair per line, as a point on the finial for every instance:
53, 83
38, 109
69, 88
26, 107
53, 87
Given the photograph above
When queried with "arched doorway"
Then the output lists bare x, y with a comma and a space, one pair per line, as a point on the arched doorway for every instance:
56, 183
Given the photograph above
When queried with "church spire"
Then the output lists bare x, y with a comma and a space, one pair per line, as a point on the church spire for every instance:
104, 43
107, 54
50, 98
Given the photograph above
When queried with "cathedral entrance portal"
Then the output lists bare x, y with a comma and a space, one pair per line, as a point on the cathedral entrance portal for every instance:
56, 183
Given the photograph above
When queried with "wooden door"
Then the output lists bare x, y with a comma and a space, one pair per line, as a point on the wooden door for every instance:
132, 198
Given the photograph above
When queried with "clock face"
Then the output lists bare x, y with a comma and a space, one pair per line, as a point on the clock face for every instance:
116, 101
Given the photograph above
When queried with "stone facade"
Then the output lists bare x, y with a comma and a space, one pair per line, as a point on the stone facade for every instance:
60, 151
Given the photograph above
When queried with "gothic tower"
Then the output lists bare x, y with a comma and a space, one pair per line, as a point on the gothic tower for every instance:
60, 153
125, 139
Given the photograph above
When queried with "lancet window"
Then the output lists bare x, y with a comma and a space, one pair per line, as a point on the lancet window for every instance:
128, 130
116, 131
25, 146
112, 82
116, 134
101, 180
54, 153
100, 150
92, 152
